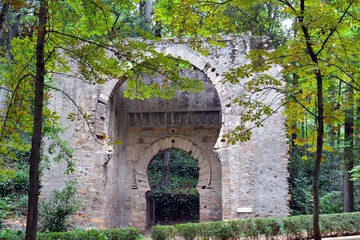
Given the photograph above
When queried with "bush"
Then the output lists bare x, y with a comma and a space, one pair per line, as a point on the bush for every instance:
297, 227
163, 232
123, 234
14, 182
55, 210
8, 234
14, 185
187, 231
4, 208
93, 234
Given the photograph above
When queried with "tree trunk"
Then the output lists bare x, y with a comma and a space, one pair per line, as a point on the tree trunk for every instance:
3, 14
166, 168
319, 149
145, 8
32, 214
157, 31
148, 10
13, 32
320, 124
348, 185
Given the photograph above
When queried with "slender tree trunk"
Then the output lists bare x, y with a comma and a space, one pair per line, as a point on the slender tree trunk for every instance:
32, 214
3, 14
348, 185
320, 124
319, 149
13, 32
166, 168
157, 31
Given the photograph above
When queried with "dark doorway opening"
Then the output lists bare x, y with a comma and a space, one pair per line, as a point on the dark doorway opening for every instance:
173, 176
150, 209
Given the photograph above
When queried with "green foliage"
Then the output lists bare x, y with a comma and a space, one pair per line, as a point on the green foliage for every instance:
184, 172
297, 227
93, 35
17, 183
170, 207
187, 231
179, 201
8, 234
356, 173
93, 234
58, 148
57, 208
163, 232
4, 208
13, 189
300, 183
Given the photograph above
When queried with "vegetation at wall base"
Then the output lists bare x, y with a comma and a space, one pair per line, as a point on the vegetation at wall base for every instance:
111, 234
296, 227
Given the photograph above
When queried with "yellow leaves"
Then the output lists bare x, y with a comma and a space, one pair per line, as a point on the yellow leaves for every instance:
328, 148
6, 174
17, 4
312, 149
300, 141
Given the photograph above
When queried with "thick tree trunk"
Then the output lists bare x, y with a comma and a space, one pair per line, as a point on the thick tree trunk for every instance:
166, 168
32, 214
348, 185
146, 8
3, 14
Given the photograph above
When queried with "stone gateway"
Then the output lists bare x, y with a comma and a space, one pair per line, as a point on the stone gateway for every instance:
235, 181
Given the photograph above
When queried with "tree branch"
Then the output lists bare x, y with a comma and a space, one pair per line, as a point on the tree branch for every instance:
302, 105
333, 30
116, 52
11, 102
78, 108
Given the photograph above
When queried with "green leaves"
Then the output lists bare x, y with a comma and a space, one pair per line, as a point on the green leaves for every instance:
240, 133
93, 35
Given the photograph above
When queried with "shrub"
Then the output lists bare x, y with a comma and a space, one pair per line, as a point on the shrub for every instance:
297, 227
73, 235
187, 231
14, 182
4, 208
162, 232
55, 210
8, 234
93, 234
123, 234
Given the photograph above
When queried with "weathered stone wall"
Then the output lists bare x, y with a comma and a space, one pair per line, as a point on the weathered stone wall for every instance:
113, 180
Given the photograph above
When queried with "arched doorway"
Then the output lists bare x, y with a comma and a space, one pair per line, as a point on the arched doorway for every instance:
173, 176
190, 122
